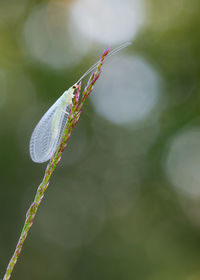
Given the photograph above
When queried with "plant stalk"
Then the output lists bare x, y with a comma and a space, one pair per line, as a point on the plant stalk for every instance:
74, 115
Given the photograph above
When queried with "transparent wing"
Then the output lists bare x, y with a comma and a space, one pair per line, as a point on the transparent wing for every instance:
44, 142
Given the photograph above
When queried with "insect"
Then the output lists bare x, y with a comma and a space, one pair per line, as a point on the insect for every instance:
48, 132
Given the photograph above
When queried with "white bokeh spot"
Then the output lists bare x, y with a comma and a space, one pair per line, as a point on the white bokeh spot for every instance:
108, 21
128, 91
50, 40
183, 160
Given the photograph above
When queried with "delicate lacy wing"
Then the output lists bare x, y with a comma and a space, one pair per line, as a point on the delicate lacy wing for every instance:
45, 139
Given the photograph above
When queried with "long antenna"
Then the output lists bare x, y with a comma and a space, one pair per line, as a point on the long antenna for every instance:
94, 66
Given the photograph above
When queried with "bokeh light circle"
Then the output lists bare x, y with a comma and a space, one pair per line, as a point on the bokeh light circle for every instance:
110, 21
128, 91
183, 160
49, 39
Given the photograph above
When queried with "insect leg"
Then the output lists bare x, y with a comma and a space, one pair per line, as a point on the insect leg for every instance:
65, 112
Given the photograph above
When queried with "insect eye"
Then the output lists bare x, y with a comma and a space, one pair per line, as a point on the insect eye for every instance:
74, 86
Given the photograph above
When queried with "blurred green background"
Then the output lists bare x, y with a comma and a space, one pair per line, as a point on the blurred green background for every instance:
124, 202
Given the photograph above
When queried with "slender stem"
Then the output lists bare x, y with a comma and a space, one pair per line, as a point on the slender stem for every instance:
73, 118
29, 220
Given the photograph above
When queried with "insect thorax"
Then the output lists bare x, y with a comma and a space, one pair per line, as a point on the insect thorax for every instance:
68, 95
66, 100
